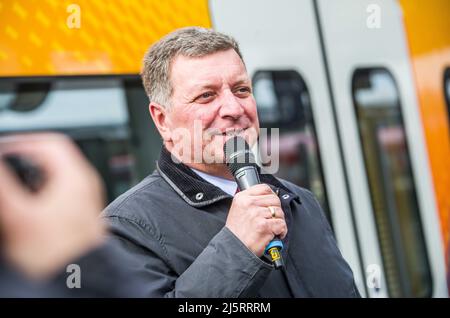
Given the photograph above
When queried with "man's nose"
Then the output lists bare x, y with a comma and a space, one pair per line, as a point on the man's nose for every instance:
231, 106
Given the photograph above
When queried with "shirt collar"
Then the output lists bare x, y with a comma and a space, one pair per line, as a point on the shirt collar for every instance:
197, 191
227, 186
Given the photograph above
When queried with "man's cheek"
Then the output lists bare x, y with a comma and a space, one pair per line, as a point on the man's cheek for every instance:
182, 145
207, 115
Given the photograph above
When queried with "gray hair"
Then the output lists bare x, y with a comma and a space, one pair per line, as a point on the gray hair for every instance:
189, 42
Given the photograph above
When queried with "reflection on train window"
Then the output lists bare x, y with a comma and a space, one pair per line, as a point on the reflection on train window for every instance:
391, 183
447, 90
283, 102
93, 112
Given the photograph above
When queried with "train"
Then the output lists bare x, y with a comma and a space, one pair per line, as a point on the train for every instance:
359, 91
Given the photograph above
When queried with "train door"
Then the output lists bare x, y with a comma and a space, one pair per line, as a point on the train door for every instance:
383, 146
281, 47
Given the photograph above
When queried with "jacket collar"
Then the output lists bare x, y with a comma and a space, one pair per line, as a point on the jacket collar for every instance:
198, 192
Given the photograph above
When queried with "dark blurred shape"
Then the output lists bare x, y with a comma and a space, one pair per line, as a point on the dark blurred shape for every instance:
29, 174
24, 96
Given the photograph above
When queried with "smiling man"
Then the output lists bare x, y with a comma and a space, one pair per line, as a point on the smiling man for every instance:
211, 99
188, 231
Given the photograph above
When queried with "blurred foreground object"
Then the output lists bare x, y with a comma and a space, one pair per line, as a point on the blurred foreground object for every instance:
43, 229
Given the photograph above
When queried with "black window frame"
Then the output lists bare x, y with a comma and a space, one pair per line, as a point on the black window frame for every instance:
429, 290
296, 75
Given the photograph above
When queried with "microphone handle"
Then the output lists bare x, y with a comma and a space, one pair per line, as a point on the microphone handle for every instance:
246, 177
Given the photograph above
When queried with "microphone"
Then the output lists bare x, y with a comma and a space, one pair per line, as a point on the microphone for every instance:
242, 165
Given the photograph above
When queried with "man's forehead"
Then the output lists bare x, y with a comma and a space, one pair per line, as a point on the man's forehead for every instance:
208, 76
223, 59
203, 71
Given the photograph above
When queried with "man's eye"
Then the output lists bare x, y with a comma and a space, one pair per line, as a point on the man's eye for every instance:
244, 91
205, 97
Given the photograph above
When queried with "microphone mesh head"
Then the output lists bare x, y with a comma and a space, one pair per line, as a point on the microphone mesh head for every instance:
238, 154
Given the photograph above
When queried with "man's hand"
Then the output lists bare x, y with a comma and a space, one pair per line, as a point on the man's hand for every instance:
250, 218
42, 231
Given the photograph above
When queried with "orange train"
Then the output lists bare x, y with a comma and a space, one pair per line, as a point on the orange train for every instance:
359, 90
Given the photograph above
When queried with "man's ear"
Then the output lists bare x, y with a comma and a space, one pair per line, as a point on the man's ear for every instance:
161, 120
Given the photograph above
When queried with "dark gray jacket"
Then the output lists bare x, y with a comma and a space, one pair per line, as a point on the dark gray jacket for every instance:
172, 226
102, 274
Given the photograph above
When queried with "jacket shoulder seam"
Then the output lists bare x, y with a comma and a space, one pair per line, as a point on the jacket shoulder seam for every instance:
132, 195
150, 230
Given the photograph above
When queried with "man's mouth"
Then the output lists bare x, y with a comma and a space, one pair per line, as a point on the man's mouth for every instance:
230, 132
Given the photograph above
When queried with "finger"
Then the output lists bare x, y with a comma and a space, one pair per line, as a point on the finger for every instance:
10, 141
266, 200
267, 214
38, 148
278, 228
49, 151
259, 189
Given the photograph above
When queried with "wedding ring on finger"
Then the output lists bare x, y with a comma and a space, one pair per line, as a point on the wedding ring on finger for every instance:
272, 211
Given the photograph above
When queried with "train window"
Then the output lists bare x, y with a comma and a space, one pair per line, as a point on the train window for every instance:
447, 90
66, 105
393, 194
283, 102
92, 111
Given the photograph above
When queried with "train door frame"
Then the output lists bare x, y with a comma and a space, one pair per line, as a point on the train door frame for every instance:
350, 43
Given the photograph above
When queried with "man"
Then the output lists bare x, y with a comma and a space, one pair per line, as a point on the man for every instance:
188, 232
44, 230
